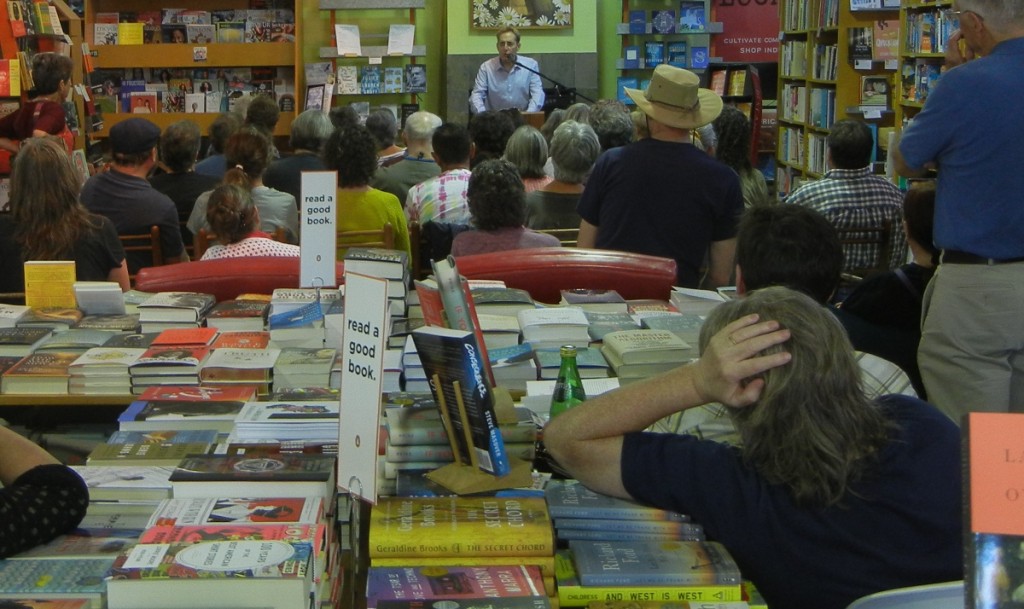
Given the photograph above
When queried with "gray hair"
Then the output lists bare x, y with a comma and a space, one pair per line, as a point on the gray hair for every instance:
574, 149
383, 126
420, 126
579, 112
310, 130
179, 145
1001, 16
612, 124
528, 151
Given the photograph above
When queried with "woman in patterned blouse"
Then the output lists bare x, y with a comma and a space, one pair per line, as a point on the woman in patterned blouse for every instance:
40, 499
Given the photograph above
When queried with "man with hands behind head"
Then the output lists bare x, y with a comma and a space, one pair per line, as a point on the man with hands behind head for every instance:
506, 81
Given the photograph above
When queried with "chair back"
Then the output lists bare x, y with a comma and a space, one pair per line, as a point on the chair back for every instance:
431, 241
202, 240
878, 237
948, 595
383, 237
566, 236
142, 244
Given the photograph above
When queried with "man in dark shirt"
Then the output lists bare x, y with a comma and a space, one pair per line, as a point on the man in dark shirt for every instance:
179, 149
125, 196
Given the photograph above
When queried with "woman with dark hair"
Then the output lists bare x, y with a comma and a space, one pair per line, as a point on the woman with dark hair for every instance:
48, 222
248, 155
235, 219
497, 204
43, 113
856, 495
732, 147
352, 152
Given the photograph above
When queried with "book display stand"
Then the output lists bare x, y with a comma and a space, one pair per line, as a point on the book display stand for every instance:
464, 478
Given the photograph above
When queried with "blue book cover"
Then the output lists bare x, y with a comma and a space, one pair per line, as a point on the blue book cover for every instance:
638, 22
41, 577
631, 57
570, 499
371, 80
164, 437
691, 16
664, 22
676, 52
699, 57
668, 563
654, 53
626, 82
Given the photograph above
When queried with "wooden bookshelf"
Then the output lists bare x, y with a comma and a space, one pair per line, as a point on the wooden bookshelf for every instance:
918, 61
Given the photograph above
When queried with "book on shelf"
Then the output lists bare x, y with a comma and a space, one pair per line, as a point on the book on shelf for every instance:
626, 563
233, 573
637, 21
631, 57
885, 44
284, 475
621, 84
676, 53
571, 593
699, 57
141, 453
718, 81
663, 21
415, 78
105, 33
692, 16
654, 53
874, 90
203, 511
39, 373
570, 499
125, 482
516, 585
371, 80
394, 78
860, 43
49, 283
737, 82
594, 300
450, 357
472, 526
55, 579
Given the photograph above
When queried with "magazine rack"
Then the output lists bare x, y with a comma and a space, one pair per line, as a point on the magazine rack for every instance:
465, 478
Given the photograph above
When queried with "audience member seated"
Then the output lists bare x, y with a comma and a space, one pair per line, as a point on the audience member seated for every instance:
797, 247
498, 205
489, 131
574, 148
179, 149
343, 117
43, 114
612, 123
663, 196
528, 151
248, 151
443, 199
579, 112
352, 152
732, 132
555, 118
383, 126
309, 133
856, 495
263, 114
851, 196
418, 164
222, 127
893, 299
235, 220
40, 499
124, 195
47, 222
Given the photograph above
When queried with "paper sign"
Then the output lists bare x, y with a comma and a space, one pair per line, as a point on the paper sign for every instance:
363, 341
400, 39
996, 464
861, 64
319, 229
347, 37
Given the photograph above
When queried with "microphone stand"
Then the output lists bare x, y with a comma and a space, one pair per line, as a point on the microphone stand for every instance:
557, 84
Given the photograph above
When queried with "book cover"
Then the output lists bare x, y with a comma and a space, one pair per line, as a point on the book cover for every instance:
74, 339
885, 40
122, 322
283, 475
377, 262
874, 90
691, 16
676, 53
55, 578
21, 340
637, 21
860, 43
394, 80
625, 563
631, 57
49, 283
176, 306
170, 360
664, 21
594, 299
455, 583
83, 544
185, 337
199, 394
164, 437
654, 53
239, 365
11, 313
572, 594
39, 373
223, 510
570, 499
58, 318
371, 80
699, 57
453, 356
105, 33
456, 526
646, 346
242, 340
126, 483
621, 84
142, 453
738, 82
148, 415
415, 78
299, 533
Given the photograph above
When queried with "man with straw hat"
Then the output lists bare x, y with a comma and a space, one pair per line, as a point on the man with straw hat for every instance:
662, 195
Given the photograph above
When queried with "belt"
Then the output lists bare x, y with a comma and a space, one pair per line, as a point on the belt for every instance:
955, 257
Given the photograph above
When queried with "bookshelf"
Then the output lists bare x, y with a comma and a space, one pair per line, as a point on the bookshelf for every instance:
374, 23
652, 34
739, 84
189, 58
924, 31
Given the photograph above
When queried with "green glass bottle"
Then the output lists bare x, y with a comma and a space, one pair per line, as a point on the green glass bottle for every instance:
569, 387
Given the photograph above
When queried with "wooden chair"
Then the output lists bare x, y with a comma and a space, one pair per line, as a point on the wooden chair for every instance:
201, 241
566, 236
383, 237
144, 243
880, 237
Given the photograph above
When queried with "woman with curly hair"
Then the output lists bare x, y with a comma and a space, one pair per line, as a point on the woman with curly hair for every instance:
352, 152
235, 219
497, 204
858, 495
732, 130
48, 222
248, 154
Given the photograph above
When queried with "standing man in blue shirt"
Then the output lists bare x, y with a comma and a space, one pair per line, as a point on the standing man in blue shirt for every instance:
506, 81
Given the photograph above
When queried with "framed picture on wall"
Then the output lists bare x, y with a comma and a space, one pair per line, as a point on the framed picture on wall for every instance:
521, 14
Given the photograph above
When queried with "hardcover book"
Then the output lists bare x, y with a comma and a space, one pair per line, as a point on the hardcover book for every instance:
699, 57
185, 337
11, 313
156, 415
377, 262
645, 347
284, 475
501, 301
126, 483
631, 57
663, 21
299, 533
394, 79
122, 322
53, 579
594, 300
691, 16
415, 78
248, 573
644, 563
21, 341
169, 360
861, 43
239, 339
135, 453
164, 437
371, 80
676, 52
461, 584
638, 21
176, 307
601, 323
83, 544
570, 499
231, 510
57, 318
460, 526
39, 373
654, 53
78, 340
227, 365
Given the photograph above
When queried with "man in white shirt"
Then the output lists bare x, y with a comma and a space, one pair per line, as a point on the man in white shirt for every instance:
508, 80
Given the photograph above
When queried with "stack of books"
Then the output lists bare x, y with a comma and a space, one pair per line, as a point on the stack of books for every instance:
167, 366
310, 421
226, 366
414, 377
77, 340
165, 310
298, 367
601, 301
186, 407
392, 265
39, 373
601, 323
297, 316
501, 301
552, 327
147, 451
103, 371
515, 365
638, 354
589, 362
238, 315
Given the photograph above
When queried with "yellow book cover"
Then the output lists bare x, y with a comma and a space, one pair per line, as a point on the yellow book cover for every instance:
461, 526
49, 283
546, 563
130, 33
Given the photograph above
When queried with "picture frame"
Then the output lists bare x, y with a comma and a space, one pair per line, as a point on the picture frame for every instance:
521, 14
315, 96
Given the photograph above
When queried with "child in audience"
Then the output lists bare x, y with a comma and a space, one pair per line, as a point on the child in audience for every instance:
235, 220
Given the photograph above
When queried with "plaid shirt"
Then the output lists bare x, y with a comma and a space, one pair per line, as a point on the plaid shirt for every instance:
854, 198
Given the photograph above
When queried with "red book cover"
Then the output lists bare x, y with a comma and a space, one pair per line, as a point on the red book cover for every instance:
242, 340
187, 393
185, 337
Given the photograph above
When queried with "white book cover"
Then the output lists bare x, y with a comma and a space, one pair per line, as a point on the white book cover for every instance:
223, 510
105, 357
347, 38
287, 412
10, 314
551, 316
245, 359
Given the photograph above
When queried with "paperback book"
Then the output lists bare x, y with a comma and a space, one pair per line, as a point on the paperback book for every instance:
459, 584
674, 563
283, 475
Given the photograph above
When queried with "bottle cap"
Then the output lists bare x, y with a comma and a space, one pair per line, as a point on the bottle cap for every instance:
567, 350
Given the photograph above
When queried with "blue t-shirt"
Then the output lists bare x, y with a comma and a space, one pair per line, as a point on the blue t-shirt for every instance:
664, 199
970, 128
900, 527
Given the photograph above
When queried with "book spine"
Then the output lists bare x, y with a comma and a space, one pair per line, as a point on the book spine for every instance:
546, 563
581, 596
639, 526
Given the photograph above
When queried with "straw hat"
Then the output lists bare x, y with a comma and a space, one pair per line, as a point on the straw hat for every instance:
675, 98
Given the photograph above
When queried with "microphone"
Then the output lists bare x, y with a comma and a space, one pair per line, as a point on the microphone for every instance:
558, 85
